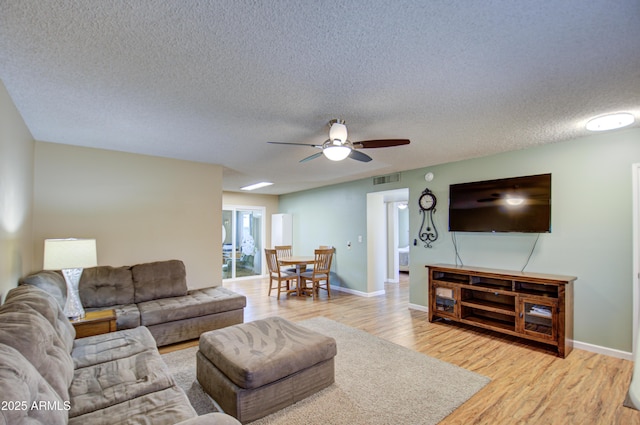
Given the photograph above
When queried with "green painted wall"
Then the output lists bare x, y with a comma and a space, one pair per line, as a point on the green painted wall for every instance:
334, 215
591, 226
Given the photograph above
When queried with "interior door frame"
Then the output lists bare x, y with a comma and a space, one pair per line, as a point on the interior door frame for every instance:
635, 170
377, 237
234, 208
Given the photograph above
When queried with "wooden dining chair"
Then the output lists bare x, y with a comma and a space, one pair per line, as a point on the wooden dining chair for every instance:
309, 267
285, 251
319, 276
282, 278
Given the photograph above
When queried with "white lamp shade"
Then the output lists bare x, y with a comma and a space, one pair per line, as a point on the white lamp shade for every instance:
69, 254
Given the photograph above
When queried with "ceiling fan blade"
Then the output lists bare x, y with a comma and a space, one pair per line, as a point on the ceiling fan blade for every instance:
314, 156
296, 144
384, 143
359, 156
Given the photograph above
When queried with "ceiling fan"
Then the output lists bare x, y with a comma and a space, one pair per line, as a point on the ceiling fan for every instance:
337, 147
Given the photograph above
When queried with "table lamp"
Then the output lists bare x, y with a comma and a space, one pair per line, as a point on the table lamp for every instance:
70, 256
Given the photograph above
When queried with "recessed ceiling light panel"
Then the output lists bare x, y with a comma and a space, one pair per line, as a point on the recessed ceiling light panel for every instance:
610, 122
256, 186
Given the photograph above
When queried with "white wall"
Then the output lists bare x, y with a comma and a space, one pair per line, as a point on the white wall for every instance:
404, 237
376, 243
16, 194
139, 208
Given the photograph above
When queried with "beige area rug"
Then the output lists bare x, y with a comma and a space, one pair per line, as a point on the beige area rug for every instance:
377, 382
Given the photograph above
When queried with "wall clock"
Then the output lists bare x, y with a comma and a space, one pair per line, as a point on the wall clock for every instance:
427, 203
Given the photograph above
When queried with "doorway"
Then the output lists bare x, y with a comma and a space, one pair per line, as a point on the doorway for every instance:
243, 234
384, 237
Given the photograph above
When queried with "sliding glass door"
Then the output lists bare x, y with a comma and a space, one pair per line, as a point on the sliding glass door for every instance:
242, 243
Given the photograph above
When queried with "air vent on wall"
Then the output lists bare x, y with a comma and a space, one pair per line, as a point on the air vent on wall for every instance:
389, 178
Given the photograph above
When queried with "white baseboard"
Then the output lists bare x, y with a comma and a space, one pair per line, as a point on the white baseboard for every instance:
612, 352
418, 307
358, 293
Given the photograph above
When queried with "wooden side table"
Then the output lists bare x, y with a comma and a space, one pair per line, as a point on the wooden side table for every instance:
95, 323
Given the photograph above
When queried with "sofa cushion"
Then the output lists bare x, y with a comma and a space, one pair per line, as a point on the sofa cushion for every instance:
198, 302
127, 315
165, 407
20, 382
161, 279
106, 384
49, 281
31, 297
34, 337
111, 346
105, 286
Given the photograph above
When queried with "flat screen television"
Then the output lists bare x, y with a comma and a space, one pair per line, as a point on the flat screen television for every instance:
516, 204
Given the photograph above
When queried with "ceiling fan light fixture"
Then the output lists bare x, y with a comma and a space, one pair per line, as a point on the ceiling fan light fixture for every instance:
338, 131
336, 152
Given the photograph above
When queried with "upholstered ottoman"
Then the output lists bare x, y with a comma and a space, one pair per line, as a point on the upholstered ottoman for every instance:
257, 368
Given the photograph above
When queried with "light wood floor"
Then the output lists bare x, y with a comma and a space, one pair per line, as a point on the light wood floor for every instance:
529, 385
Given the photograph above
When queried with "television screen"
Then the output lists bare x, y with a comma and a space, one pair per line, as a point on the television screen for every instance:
517, 204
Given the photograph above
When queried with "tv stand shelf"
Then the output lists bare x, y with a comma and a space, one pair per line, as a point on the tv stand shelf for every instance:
535, 306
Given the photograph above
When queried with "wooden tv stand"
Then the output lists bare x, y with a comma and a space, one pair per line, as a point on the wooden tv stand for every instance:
535, 306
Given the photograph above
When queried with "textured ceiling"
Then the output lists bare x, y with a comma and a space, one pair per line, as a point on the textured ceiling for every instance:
213, 81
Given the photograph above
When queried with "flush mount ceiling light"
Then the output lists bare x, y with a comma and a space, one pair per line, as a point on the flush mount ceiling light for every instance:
256, 186
610, 121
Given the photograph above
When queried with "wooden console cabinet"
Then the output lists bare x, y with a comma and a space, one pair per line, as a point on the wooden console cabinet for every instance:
534, 306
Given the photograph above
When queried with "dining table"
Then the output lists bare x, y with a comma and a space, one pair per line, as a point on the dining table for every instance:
300, 262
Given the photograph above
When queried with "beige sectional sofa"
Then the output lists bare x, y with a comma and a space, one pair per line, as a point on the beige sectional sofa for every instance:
47, 377
154, 295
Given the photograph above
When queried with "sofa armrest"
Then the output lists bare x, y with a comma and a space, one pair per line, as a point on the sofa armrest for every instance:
216, 418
